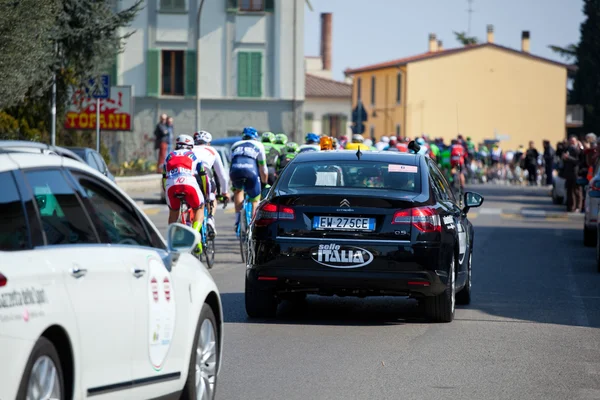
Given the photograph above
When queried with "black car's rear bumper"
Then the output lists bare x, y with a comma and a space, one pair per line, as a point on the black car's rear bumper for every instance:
397, 268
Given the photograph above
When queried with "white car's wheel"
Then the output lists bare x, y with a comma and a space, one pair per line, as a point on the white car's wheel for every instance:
204, 361
43, 376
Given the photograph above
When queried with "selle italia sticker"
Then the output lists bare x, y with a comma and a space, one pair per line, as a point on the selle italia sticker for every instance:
341, 256
161, 313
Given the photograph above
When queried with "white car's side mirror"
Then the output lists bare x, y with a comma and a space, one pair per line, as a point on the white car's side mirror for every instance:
181, 238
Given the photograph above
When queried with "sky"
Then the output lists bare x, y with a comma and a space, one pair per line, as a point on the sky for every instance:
373, 31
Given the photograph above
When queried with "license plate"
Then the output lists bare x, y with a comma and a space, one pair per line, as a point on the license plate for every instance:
344, 223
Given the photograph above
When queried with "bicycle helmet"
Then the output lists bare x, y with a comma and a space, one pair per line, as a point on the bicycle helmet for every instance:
268, 137
202, 137
184, 142
249, 133
291, 147
420, 141
358, 138
281, 138
312, 138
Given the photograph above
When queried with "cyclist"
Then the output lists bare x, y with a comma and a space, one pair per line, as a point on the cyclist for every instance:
290, 150
271, 152
444, 161
457, 160
248, 170
312, 143
281, 140
180, 176
357, 142
211, 160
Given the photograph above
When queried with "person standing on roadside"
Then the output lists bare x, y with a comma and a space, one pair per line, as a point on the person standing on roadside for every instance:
170, 122
548, 161
571, 159
161, 134
531, 157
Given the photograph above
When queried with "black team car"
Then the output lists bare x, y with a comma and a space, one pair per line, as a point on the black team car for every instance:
361, 224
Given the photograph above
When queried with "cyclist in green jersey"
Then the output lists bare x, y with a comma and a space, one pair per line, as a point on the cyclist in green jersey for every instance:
289, 152
271, 152
281, 140
444, 161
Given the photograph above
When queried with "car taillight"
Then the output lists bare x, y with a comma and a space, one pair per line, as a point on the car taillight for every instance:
3, 280
424, 219
269, 213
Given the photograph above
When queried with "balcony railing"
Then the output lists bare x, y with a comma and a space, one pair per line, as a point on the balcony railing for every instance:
574, 115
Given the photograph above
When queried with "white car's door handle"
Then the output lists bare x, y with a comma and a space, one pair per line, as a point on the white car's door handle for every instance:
138, 273
78, 272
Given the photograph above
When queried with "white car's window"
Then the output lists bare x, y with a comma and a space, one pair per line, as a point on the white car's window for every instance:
63, 218
13, 225
119, 221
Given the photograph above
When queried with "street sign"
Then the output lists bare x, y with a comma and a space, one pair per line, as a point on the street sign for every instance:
359, 129
116, 112
359, 114
100, 89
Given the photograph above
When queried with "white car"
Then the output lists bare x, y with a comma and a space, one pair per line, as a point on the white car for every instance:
592, 202
93, 302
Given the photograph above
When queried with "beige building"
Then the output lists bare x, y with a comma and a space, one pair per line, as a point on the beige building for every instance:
485, 91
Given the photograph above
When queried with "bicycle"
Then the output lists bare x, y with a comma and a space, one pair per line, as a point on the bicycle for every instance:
242, 228
208, 243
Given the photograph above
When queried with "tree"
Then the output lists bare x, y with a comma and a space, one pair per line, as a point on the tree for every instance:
586, 86
465, 40
569, 53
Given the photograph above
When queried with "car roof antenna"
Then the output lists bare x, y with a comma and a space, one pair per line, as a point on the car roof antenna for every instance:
358, 153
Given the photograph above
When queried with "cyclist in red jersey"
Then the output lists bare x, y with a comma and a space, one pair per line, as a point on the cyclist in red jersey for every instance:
458, 155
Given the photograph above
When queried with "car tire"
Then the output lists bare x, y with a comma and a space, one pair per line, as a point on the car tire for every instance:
202, 376
589, 237
464, 296
260, 303
44, 357
441, 308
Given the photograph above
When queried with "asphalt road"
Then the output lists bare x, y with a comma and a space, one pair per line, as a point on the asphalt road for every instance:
529, 333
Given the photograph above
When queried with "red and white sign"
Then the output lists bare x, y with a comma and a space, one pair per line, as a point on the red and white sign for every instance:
167, 288
116, 112
154, 288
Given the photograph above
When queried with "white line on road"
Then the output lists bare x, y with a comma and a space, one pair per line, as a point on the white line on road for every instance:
490, 211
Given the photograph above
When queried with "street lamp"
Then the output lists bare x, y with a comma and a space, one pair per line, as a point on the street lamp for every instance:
198, 65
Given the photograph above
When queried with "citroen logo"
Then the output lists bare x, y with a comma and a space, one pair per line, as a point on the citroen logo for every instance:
344, 203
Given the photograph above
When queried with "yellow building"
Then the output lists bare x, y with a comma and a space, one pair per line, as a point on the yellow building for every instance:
485, 91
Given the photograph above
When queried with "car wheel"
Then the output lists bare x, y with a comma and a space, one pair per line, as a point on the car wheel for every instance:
260, 303
440, 308
204, 361
464, 296
43, 376
589, 238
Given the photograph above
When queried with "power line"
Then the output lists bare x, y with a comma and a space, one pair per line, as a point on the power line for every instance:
470, 11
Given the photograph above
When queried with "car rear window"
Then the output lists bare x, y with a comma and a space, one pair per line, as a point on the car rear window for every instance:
352, 174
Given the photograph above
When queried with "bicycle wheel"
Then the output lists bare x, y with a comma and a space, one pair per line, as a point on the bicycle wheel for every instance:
243, 228
209, 252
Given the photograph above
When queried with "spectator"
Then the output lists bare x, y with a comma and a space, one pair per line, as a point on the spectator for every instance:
549, 154
161, 137
571, 158
531, 157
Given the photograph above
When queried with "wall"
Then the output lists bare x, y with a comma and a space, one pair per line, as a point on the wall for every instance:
322, 106
485, 90
389, 113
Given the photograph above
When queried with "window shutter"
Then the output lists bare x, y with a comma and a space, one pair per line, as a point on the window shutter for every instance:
270, 5
325, 126
231, 6
256, 74
153, 72
243, 74
343, 125
190, 73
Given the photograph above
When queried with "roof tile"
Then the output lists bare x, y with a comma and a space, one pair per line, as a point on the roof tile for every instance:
316, 86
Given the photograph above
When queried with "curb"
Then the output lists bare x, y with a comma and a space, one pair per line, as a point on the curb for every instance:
142, 183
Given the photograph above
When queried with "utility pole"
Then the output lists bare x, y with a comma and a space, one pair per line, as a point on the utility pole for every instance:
198, 59
470, 11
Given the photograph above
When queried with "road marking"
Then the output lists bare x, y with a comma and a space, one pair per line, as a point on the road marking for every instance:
229, 210
511, 216
490, 211
472, 215
152, 211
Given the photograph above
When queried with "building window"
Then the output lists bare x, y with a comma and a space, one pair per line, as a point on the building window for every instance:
308, 122
398, 131
252, 5
173, 72
359, 88
372, 132
372, 90
334, 125
249, 79
172, 5
399, 88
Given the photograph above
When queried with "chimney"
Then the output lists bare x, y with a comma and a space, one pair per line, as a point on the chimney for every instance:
440, 45
433, 44
326, 41
525, 42
490, 33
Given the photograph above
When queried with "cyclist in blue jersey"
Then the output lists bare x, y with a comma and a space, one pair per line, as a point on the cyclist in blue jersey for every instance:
312, 143
248, 170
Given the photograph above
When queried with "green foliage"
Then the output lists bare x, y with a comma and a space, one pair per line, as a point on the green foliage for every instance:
586, 86
569, 53
465, 40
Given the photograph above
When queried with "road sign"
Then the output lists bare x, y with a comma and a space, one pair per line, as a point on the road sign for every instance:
100, 89
359, 114
359, 129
